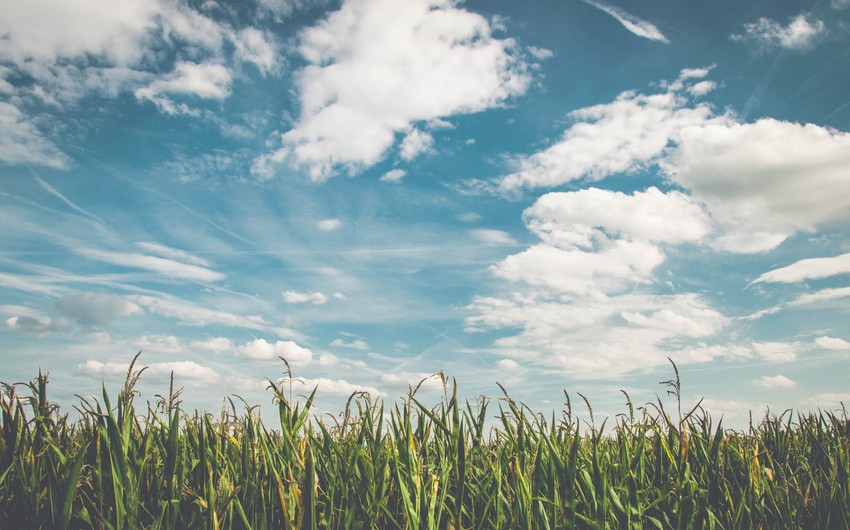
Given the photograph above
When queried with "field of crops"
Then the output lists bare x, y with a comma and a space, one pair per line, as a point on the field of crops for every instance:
413, 465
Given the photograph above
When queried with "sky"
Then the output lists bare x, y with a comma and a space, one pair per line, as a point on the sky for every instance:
558, 195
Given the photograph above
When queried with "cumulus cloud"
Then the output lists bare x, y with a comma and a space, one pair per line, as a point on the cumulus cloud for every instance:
619, 137
214, 345
312, 297
800, 33
262, 350
601, 241
393, 175
378, 67
356, 344
598, 336
507, 364
808, 269
159, 344
413, 380
204, 81
255, 47
61, 52
766, 180
776, 381
639, 27
415, 143
96, 309
189, 371
761, 182
578, 301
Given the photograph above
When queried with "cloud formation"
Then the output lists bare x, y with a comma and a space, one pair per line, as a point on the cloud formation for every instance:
800, 33
377, 67
761, 182
808, 269
576, 296
639, 27
96, 309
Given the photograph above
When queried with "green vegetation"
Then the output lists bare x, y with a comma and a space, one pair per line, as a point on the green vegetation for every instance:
414, 466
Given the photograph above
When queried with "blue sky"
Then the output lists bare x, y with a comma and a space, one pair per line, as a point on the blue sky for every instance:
549, 195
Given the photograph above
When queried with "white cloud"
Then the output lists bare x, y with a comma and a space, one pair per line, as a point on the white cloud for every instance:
183, 370
639, 27
45, 30
312, 297
766, 180
415, 143
379, 66
205, 81
808, 269
340, 387
393, 175
36, 325
541, 54
214, 345
492, 237
329, 225
191, 371
598, 336
507, 364
262, 350
618, 137
167, 267
22, 143
776, 351
356, 344
190, 314
601, 241
776, 381
172, 253
258, 48
767, 34
582, 299
702, 88
761, 182
413, 380
832, 343
94, 309
829, 399
159, 344
824, 295
576, 219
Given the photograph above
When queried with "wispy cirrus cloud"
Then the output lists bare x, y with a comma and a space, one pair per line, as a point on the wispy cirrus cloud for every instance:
167, 267
639, 27
21, 142
808, 269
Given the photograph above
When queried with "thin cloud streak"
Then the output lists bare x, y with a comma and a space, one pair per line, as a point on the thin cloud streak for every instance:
639, 27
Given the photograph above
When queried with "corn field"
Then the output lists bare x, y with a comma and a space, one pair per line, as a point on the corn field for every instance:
412, 466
